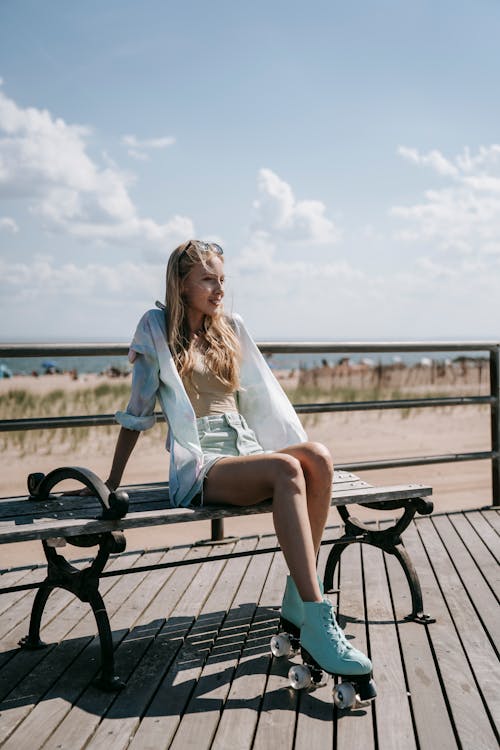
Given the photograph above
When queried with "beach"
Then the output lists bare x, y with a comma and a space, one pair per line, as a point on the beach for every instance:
350, 436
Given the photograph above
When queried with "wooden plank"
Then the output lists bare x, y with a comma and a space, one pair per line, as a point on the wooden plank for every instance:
277, 717
392, 697
433, 725
247, 688
478, 590
202, 714
162, 717
483, 529
11, 598
475, 643
20, 611
464, 704
482, 556
354, 729
17, 577
316, 717
493, 518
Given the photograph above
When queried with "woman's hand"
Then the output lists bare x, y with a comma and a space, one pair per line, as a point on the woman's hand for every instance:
87, 492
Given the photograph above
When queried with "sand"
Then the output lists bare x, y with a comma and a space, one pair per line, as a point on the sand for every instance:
354, 436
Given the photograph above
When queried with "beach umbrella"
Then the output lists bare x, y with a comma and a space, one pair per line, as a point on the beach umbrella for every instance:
49, 364
5, 372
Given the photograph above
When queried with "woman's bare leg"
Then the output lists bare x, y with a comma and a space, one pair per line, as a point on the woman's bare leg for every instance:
246, 480
317, 465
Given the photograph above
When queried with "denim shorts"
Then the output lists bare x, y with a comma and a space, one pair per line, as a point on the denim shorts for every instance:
223, 435
226, 435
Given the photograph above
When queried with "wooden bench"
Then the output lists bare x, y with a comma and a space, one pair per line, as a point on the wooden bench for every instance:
101, 519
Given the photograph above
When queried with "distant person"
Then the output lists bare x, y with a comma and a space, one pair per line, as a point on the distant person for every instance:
234, 438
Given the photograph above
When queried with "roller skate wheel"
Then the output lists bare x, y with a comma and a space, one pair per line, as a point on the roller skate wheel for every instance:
299, 676
281, 645
344, 695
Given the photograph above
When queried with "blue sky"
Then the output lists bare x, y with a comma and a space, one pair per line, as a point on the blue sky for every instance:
347, 156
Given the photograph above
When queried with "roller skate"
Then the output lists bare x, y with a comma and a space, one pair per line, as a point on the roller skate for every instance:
325, 649
287, 641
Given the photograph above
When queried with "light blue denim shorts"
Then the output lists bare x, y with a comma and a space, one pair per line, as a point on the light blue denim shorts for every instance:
226, 435
223, 435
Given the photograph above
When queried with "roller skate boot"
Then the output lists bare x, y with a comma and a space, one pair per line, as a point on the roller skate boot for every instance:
324, 648
287, 641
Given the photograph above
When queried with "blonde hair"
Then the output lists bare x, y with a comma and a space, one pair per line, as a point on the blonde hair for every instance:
222, 355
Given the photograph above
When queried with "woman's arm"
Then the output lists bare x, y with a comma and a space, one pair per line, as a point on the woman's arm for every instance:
125, 444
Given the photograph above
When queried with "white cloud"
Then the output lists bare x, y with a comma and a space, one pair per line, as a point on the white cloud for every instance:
45, 160
43, 276
75, 301
134, 142
138, 155
138, 147
9, 225
434, 159
278, 213
463, 217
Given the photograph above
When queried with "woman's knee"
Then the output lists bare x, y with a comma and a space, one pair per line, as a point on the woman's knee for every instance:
318, 459
287, 470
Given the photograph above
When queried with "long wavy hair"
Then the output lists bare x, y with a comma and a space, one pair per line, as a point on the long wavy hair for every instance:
222, 354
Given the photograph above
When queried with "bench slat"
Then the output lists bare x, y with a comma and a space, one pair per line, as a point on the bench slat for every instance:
66, 506
156, 491
28, 527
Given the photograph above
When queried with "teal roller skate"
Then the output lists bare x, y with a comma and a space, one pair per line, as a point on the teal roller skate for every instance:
287, 641
324, 648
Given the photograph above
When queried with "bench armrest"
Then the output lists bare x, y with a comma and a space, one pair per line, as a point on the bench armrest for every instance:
114, 504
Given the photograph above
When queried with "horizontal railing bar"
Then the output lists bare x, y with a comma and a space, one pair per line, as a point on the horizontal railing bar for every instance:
52, 423
405, 403
394, 463
373, 347
64, 350
267, 347
96, 420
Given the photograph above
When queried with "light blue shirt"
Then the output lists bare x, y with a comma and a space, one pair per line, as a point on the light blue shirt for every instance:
261, 400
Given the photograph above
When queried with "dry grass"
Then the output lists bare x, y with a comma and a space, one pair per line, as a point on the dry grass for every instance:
107, 398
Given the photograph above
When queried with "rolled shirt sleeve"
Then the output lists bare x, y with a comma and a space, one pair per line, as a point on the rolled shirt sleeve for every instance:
139, 414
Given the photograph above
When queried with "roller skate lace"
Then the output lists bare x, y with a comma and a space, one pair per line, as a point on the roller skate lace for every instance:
334, 630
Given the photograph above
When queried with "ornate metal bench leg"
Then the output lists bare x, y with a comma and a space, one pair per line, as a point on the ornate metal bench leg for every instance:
387, 539
107, 680
32, 640
83, 583
417, 613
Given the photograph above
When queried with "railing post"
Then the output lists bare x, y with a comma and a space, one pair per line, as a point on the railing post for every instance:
495, 423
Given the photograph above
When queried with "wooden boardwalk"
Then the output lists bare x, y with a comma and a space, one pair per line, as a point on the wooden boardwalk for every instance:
193, 645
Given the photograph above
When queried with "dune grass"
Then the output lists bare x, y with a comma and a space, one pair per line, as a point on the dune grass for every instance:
107, 398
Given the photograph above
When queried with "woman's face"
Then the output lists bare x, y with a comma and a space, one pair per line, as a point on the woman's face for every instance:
203, 287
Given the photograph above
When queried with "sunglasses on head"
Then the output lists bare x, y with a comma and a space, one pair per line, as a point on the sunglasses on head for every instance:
204, 247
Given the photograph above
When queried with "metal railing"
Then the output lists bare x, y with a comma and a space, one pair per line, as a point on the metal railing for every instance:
493, 399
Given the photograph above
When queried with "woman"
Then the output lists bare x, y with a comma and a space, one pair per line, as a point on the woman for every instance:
233, 436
